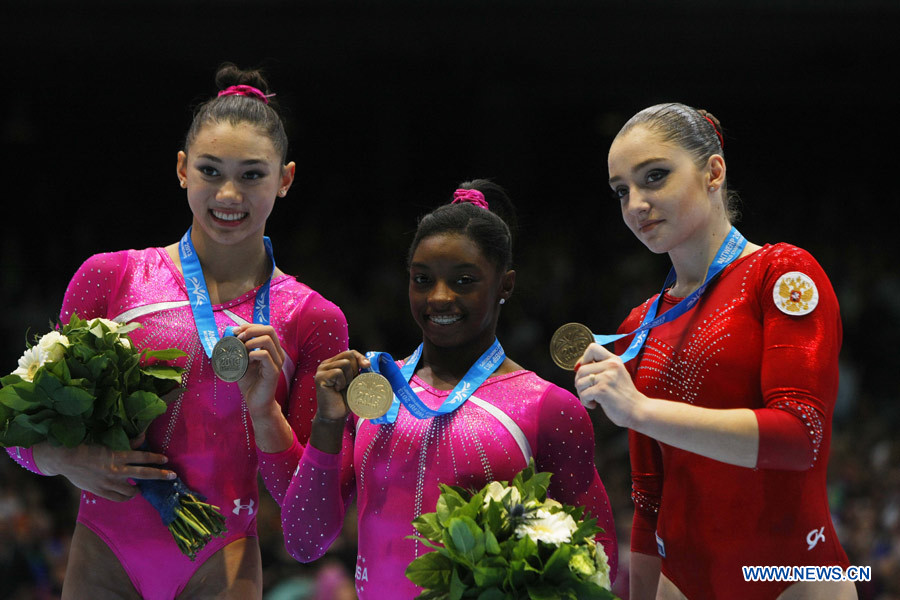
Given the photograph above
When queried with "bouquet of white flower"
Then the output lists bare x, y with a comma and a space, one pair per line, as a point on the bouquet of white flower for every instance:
84, 383
509, 541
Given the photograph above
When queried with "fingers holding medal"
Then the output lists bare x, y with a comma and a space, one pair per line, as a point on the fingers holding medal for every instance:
341, 387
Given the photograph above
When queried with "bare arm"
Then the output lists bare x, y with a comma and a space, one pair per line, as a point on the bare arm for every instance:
644, 573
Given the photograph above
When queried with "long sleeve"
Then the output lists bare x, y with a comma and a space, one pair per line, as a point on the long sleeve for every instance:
566, 449
321, 332
312, 512
799, 374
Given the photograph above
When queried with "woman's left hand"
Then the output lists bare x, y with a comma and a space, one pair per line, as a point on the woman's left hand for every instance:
602, 380
259, 383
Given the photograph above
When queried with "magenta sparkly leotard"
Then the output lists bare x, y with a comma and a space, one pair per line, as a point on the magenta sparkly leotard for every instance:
395, 471
206, 433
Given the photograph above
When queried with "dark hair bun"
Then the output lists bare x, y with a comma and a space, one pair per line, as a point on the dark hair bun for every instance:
230, 74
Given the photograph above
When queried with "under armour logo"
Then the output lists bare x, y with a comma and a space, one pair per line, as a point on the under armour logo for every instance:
238, 506
814, 537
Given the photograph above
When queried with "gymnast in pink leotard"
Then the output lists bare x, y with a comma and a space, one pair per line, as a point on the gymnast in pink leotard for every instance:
214, 433
459, 277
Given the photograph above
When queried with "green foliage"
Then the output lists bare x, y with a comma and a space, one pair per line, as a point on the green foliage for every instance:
489, 545
99, 389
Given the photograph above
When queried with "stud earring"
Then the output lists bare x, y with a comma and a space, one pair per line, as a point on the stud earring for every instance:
184, 184
712, 188
282, 193
502, 300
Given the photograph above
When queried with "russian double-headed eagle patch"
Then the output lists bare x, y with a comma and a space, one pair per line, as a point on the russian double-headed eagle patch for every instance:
795, 293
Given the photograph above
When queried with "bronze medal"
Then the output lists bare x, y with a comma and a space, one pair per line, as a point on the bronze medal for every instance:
568, 344
230, 359
369, 395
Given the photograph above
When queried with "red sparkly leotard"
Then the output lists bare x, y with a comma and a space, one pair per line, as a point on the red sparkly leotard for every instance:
765, 336
394, 470
206, 432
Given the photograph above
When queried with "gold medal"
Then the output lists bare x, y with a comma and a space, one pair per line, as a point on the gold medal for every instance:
230, 359
369, 395
568, 344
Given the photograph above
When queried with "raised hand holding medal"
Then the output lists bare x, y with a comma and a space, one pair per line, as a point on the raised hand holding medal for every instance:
228, 355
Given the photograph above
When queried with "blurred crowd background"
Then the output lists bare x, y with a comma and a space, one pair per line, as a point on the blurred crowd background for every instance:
389, 104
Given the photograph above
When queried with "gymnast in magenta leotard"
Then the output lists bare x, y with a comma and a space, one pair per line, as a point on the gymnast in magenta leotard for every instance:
214, 433
459, 269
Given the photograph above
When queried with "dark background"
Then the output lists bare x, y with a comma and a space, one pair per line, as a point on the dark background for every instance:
390, 104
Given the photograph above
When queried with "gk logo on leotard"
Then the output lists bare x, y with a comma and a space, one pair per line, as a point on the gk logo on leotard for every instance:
814, 537
238, 506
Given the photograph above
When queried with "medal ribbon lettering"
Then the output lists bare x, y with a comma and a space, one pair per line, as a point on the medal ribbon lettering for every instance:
730, 249
198, 294
399, 379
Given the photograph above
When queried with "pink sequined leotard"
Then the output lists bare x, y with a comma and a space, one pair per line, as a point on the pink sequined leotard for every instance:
395, 471
206, 432
764, 336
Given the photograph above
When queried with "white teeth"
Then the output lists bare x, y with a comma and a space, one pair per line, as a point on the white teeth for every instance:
228, 216
444, 319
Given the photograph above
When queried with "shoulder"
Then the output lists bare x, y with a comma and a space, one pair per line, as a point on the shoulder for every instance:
119, 261
307, 308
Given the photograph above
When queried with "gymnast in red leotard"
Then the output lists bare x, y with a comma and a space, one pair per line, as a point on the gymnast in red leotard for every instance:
729, 402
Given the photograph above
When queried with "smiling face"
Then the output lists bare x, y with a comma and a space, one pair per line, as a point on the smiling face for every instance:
233, 175
666, 199
455, 291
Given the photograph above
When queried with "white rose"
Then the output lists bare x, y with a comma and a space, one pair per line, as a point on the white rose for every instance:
601, 577
53, 345
94, 326
29, 363
555, 528
507, 496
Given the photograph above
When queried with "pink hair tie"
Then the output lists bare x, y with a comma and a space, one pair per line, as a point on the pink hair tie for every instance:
716, 129
245, 90
471, 196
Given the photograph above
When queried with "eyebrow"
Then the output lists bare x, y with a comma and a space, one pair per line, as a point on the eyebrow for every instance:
216, 159
456, 266
638, 167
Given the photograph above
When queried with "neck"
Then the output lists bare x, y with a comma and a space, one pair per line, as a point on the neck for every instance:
693, 257
445, 367
244, 261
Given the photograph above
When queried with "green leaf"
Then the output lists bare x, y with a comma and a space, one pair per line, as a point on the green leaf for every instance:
492, 593
491, 545
466, 538
115, 439
490, 572
10, 379
557, 566
61, 370
428, 526
16, 435
143, 407
38, 422
19, 397
167, 354
68, 431
71, 400
431, 571
448, 502
163, 372
457, 587
543, 592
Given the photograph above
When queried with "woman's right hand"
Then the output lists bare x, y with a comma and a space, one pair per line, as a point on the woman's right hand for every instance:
99, 470
332, 379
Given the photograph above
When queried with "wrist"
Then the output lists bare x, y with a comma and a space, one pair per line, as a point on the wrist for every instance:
43, 455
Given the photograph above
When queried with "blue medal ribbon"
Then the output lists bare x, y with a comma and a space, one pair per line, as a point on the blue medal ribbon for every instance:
730, 249
399, 379
199, 294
